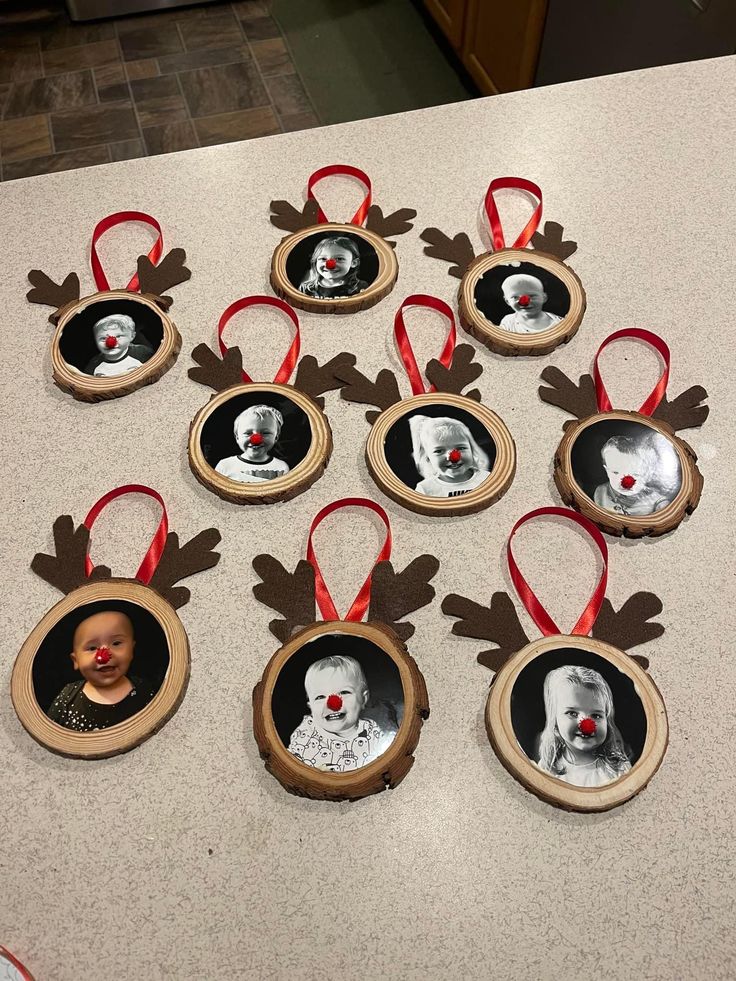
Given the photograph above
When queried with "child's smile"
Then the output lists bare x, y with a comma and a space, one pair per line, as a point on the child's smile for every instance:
256, 437
334, 701
529, 301
625, 472
451, 457
581, 720
333, 264
103, 649
113, 343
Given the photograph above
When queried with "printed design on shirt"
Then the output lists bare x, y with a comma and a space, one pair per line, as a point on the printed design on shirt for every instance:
338, 755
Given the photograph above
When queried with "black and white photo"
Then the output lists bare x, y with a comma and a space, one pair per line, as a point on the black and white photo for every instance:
100, 665
338, 702
111, 338
333, 265
440, 450
578, 717
521, 297
255, 437
626, 467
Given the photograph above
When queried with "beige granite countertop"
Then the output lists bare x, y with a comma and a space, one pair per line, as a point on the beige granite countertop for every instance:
184, 859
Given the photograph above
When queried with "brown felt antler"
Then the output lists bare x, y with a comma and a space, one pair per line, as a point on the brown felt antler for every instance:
286, 216
462, 371
685, 411
458, 250
630, 626
551, 241
66, 569
170, 271
396, 594
179, 561
214, 371
498, 622
394, 224
579, 400
314, 380
47, 292
357, 387
289, 593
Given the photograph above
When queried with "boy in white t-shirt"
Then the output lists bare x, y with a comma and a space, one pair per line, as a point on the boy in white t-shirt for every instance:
526, 297
447, 456
256, 431
113, 336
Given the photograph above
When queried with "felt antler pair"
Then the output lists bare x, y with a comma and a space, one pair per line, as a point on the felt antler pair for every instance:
288, 218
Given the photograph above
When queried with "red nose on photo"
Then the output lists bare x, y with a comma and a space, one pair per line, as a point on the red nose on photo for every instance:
454, 456
587, 726
255, 439
524, 301
111, 341
334, 703
628, 481
103, 655
331, 263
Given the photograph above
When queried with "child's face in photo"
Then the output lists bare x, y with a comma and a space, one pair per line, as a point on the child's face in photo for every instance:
113, 341
524, 297
627, 472
451, 456
575, 703
333, 263
263, 428
112, 634
334, 684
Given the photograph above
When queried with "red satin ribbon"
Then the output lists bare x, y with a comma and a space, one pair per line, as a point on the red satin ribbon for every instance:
292, 355
657, 393
153, 555
535, 609
22, 971
404, 344
494, 219
360, 215
324, 601
118, 219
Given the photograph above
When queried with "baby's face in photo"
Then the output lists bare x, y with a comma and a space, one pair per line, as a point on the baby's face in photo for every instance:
110, 634
113, 341
524, 296
576, 703
256, 435
627, 472
333, 263
335, 685
450, 455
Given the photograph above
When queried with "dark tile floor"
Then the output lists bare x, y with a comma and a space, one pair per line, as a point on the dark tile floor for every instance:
73, 95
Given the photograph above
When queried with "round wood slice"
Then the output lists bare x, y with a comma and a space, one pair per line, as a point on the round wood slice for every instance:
385, 772
388, 271
293, 483
502, 341
490, 491
84, 387
548, 787
135, 730
631, 526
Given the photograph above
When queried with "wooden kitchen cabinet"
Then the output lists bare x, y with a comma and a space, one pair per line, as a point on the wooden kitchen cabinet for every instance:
450, 16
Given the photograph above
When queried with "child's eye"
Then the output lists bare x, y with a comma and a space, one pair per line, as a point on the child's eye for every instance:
319, 698
572, 713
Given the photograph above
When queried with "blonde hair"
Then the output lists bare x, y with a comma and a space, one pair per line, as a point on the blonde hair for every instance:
340, 662
121, 320
262, 412
442, 426
652, 447
611, 754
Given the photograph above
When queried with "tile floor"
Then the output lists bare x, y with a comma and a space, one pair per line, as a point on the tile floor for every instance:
73, 95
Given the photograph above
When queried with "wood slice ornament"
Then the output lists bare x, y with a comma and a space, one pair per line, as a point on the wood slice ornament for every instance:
627, 471
339, 709
113, 342
440, 452
260, 442
328, 267
513, 300
572, 717
108, 666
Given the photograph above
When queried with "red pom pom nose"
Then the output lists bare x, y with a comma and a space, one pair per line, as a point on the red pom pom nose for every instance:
454, 456
628, 481
255, 439
524, 301
331, 263
103, 655
334, 703
587, 726
111, 341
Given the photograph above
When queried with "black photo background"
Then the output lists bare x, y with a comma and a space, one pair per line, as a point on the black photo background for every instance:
77, 342
217, 439
489, 295
527, 699
398, 445
52, 665
585, 456
298, 261
386, 699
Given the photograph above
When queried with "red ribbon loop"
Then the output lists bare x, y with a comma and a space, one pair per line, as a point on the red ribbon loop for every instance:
404, 344
118, 219
153, 555
494, 219
342, 169
657, 393
23, 972
324, 601
292, 355
535, 609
